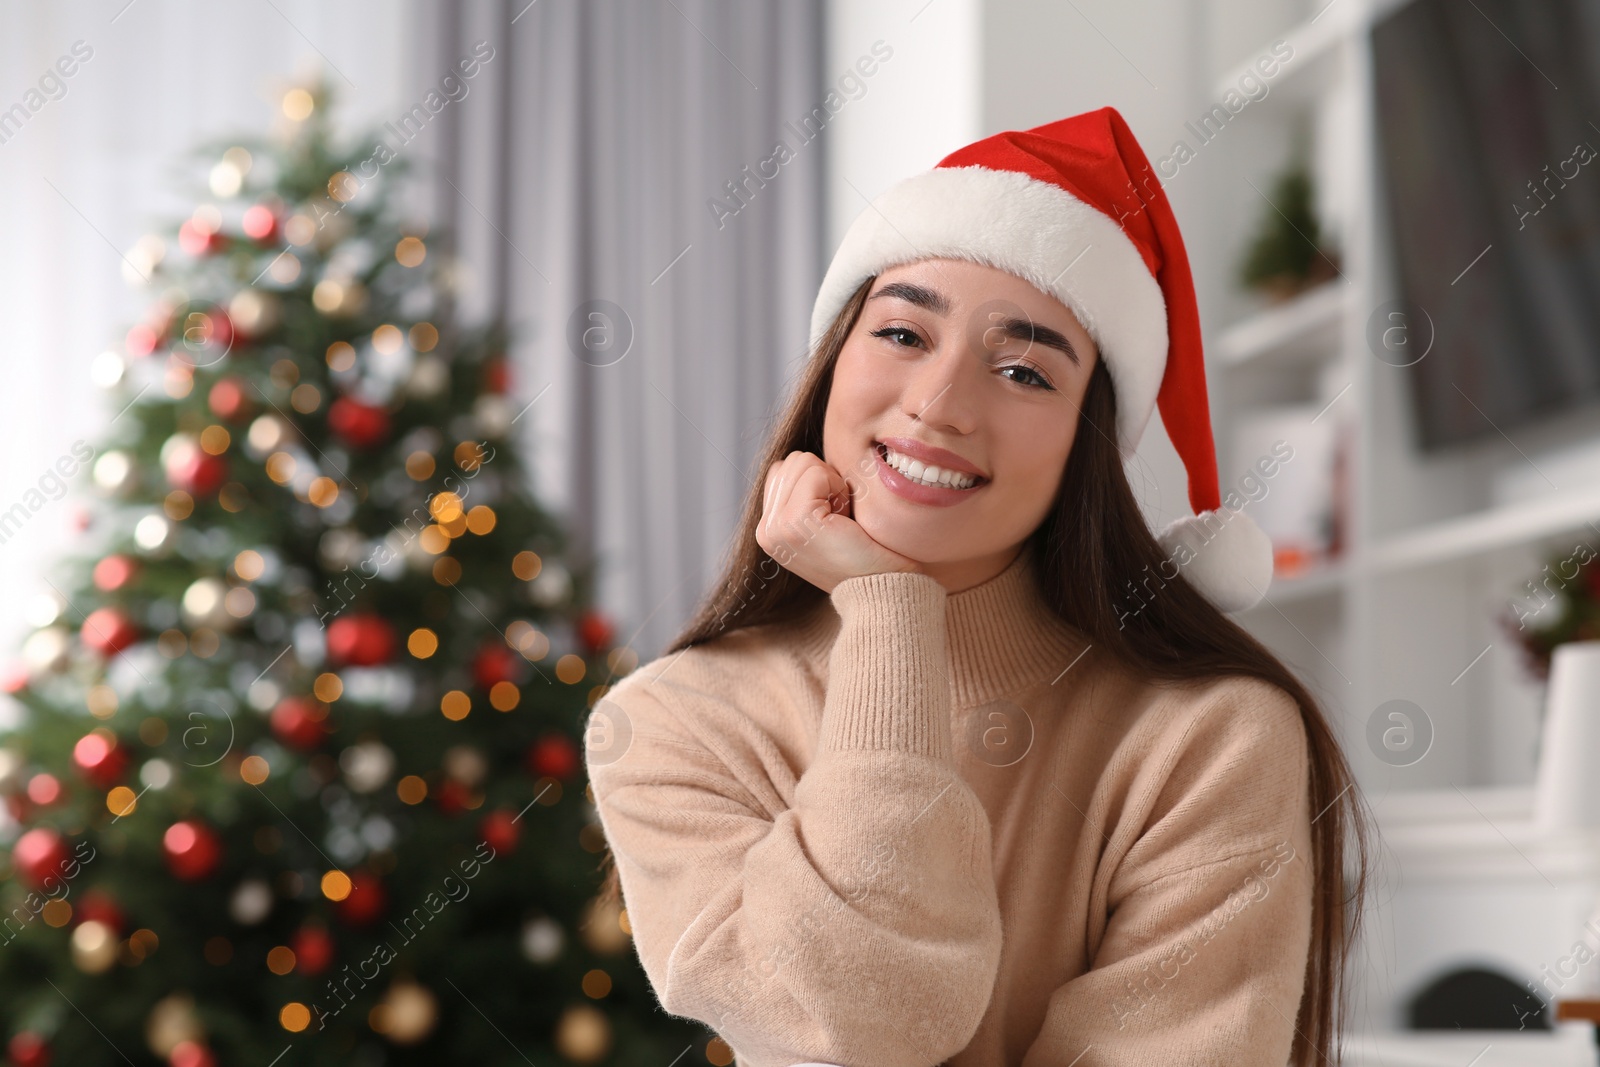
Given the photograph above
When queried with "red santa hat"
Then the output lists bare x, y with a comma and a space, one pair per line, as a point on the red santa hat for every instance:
1074, 208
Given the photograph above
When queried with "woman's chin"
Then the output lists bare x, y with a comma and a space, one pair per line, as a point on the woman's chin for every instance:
922, 545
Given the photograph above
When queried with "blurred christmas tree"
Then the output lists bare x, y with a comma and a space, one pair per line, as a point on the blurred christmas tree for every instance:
298, 772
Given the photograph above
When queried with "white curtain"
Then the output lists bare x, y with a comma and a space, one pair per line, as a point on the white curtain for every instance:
587, 205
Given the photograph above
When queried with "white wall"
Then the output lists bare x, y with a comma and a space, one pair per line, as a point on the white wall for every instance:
921, 104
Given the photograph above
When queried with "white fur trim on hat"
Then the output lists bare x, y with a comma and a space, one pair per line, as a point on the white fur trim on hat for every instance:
1037, 231
1223, 554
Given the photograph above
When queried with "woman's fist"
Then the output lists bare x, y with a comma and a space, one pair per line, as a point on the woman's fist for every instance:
806, 525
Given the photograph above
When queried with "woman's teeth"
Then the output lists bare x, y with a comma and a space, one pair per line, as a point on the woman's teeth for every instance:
926, 474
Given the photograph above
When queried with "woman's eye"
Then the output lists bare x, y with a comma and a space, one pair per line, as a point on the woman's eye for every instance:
889, 331
1039, 381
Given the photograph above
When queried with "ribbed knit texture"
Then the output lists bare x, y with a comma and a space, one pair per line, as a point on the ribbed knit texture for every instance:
823, 857
889, 667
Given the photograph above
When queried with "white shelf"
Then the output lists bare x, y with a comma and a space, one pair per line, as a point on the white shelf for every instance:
1324, 580
1406, 608
1305, 326
1314, 42
1480, 835
1487, 531
1569, 1045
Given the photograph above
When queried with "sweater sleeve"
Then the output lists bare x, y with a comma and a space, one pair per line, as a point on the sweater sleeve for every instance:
860, 926
1203, 956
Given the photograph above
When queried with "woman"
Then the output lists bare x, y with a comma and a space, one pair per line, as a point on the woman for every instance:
959, 763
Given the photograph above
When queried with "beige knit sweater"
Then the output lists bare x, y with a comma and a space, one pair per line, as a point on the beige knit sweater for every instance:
918, 827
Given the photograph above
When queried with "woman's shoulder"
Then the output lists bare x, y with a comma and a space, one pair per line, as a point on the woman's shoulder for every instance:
1179, 736
1222, 768
742, 673
731, 710
1234, 707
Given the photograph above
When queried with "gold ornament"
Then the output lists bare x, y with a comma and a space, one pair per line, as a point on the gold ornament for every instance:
205, 604
430, 375
551, 585
298, 105
154, 534
406, 1014
47, 649
366, 765
94, 947
171, 1022
466, 765
493, 415
268, 434
114, 473
583, 1034
253, 311
337, 296
602, 928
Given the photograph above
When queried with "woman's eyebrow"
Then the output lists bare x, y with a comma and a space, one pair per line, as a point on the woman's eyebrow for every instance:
1034, 333
1020, 329
919, 295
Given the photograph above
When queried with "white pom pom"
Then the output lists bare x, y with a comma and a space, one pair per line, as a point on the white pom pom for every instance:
1223, 554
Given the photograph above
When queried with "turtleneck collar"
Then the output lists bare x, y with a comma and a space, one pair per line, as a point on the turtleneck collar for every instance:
1002, 636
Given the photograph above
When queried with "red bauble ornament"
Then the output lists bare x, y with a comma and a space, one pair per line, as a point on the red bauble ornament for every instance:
196, 242
229, 399
356, 424
313, 949
451, 796
99, 906
39, 855
18, 807
496, 662
497, 376
14, 678
366, 901
260, 223
554, 755
299, 723
108, 631
206, 335
114, 572
499, 828
101, 760
28, 1049
141, 340
189, 1053
361, 640
44, 789
595, 632
195, 471
192, 849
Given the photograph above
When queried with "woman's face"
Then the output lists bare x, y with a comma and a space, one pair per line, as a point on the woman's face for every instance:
963, 367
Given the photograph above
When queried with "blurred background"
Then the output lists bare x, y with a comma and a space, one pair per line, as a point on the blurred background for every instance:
618, 217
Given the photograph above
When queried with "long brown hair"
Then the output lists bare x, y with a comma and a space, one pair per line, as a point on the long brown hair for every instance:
1092, 543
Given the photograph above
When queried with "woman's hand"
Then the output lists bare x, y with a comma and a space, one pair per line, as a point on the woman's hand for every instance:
806, 525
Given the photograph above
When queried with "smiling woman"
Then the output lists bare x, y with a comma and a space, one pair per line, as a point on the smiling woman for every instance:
908, 789
960, 367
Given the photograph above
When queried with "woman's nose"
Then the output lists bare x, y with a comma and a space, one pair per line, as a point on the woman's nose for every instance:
937, 394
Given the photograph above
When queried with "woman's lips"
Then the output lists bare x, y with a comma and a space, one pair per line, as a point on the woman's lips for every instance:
906, 489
